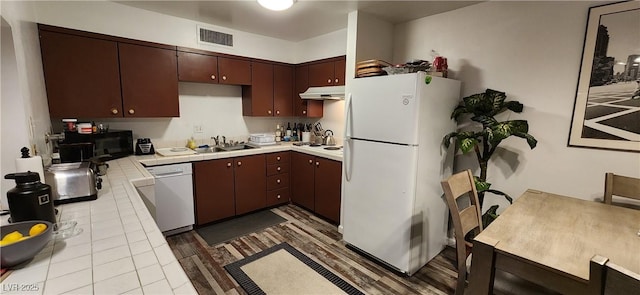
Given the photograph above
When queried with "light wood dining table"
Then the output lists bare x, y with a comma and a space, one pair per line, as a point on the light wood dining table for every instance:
550, 239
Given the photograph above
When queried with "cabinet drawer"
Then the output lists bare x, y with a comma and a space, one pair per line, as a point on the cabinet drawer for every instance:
275, 158
274, 169
279, 196
277, 181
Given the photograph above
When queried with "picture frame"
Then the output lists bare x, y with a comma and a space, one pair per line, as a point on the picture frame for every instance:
606, 111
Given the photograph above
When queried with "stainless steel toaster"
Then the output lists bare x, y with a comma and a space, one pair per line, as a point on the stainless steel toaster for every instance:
73, 182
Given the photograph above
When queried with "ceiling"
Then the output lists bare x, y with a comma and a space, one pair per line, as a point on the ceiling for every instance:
304, 20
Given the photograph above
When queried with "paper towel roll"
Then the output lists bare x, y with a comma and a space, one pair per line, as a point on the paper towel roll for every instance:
33, 164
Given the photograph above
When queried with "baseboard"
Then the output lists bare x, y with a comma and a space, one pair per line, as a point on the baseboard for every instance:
340, 229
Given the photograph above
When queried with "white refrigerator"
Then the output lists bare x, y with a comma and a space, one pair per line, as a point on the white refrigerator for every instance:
393, 204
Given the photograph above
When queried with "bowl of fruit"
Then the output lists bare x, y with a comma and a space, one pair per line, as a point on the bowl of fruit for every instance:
21, 241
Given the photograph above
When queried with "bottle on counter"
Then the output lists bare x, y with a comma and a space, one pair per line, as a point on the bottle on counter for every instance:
278, 134
294, 133
288, 131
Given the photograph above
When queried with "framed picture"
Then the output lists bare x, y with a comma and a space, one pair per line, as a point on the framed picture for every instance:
607, 107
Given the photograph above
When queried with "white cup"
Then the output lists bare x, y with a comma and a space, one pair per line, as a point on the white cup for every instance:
306, 136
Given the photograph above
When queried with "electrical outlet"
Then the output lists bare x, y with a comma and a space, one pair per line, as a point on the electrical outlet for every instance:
198, 129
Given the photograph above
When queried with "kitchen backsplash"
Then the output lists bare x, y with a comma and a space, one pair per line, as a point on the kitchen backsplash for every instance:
216, 109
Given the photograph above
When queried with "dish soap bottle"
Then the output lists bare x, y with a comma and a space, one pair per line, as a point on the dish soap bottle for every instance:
191, 143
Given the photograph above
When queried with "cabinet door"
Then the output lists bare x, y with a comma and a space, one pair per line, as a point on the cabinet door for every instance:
194, 67
321, 74
149, 78
257, 99
339, 68
250, 183
328, 184
213, 190
302, 180
303, 107
234, 71
81, 75
282, 91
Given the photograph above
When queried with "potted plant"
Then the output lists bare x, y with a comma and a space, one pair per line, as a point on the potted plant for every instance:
488, 134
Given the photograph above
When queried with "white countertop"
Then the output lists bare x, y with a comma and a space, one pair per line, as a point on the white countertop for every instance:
154, 160
120, 249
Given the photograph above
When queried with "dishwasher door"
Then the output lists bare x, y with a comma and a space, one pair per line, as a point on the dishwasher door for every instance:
174, 197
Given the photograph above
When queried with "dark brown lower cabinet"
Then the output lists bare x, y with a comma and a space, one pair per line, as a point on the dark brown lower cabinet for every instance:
328, 186
302, 180
250, 183
228, 187
214, 190
316, 185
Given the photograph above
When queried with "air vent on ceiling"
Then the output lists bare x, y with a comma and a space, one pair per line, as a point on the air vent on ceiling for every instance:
211, 37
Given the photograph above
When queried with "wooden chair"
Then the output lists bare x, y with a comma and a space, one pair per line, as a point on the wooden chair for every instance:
608, 278
465, 220
469, 219
621, 186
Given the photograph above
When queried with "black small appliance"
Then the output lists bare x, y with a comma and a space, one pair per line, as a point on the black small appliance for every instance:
144, 147
108, 145
30, 199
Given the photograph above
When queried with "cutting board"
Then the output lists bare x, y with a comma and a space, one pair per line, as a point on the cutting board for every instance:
176, 151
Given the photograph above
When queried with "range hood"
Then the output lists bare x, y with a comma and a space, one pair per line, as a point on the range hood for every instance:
321, 93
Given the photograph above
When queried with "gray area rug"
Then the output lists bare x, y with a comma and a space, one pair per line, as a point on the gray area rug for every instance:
289, 271
227, 230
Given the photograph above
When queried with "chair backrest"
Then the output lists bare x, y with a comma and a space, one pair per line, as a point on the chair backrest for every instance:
459, 185
621, 186
609, 278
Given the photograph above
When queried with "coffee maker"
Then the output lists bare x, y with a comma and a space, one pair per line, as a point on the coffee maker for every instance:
144, 147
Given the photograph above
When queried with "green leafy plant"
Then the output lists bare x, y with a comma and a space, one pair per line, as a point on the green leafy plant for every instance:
483, 107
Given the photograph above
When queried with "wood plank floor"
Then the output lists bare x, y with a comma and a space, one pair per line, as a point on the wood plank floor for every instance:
320, 241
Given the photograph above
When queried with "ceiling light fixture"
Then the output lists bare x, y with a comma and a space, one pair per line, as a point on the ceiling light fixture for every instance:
276, 5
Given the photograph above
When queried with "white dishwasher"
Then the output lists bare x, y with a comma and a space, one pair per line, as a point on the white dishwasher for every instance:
173, 197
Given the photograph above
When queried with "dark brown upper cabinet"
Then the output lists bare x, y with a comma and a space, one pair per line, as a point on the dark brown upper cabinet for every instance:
82, 76
90, 75
149, 78
196, 67
270, 93
305, 107
234, 71
257, 99
327, 72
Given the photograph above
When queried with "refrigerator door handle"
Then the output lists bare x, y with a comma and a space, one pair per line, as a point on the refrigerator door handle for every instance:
347, 139
348, 121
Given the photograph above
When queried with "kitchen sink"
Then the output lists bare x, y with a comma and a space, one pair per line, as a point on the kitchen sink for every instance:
216, 149
208, 150
236, 147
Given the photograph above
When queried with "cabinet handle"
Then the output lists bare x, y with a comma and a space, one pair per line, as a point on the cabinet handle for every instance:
278, 159
304, 112
278, 197
277, 180
114, 111
131, 111
278, 168
277, 112
213, 77
336, 80
317, 164
310, 161
269, 112
224, 78
329, 81
229, 164
239, 163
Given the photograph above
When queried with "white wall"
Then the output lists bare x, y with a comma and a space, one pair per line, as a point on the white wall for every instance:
532, 51
207, 105
13, 122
